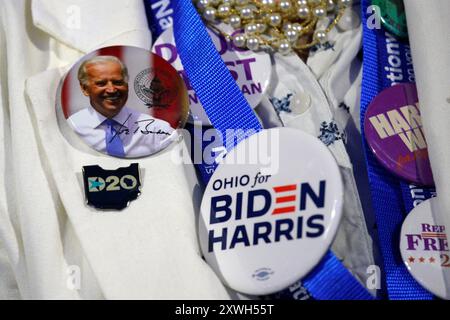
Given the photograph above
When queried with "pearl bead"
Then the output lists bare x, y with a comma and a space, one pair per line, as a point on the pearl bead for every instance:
202, 4
261, 27
209, 14
224, 9
268, 3
349, 20
274, 19
291, 35
344, 3
303, 12
285, 5
235, 21
261, 18
331, 5
247, 12
239, 40
297, 27
284, 47
251, 28
320, 35
287, 26
253, 43
320, 12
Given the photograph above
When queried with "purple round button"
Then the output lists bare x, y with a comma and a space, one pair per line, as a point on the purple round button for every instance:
393, 129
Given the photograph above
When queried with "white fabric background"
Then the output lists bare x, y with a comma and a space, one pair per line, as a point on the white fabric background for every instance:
149, 250
142, 252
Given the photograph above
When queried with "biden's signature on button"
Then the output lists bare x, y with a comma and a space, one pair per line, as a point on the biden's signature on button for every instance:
142, 127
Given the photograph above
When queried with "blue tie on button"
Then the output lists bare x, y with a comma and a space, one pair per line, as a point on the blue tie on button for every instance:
114, 145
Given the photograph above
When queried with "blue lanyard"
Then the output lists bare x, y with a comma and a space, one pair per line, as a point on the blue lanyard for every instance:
160, 16
227, 108
387, 61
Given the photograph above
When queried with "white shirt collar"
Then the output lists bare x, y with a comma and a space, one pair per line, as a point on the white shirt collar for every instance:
69, 23
96, 119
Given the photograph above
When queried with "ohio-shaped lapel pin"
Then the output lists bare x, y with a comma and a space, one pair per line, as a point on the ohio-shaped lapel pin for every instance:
111, 189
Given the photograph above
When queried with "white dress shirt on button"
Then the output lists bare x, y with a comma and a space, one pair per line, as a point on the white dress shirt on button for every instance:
141, 134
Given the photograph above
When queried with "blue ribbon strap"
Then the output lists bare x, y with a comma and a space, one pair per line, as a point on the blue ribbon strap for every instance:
227, 108
208, 75
390, 197
159, 13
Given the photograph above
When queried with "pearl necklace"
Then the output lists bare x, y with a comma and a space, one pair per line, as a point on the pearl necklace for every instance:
275, 25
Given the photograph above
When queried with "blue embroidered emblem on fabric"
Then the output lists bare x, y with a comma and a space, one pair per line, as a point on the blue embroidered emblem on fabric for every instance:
342, 105
322, 47
329, 133
283, 104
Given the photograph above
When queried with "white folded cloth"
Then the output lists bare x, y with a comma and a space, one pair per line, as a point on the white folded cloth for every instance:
49, 239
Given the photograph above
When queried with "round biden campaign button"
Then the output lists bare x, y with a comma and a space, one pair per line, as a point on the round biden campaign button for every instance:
250, 70
270, 211
393, 129
424, 247
123, 101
